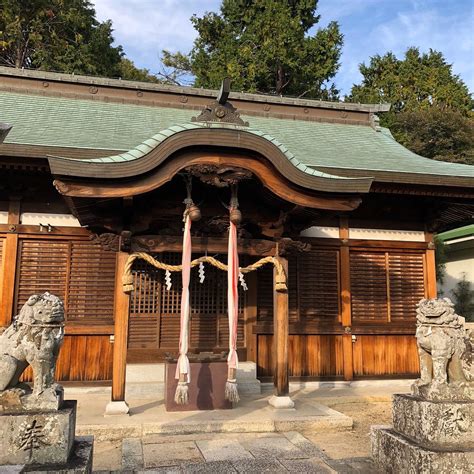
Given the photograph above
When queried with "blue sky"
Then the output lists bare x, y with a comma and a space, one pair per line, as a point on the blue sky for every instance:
145, 27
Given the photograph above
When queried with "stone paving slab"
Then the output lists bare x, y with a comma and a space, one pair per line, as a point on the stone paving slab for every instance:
229, 453
309, 466
256, 466
215, 467
224, 450
154, 455
280, 448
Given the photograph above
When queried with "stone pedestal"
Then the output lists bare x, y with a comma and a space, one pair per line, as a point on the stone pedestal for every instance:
281, 402
427, 437
44, 441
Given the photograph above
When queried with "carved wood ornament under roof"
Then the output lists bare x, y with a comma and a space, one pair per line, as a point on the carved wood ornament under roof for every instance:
219, 176
220, 110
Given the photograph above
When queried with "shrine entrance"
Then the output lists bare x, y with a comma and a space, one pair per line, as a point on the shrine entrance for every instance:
155, 310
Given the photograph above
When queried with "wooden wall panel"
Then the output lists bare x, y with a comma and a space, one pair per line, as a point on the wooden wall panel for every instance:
90, 289
385, 355
77, 271
368, 287
308, 355
83, 358
407, 285
386, 286
318, 285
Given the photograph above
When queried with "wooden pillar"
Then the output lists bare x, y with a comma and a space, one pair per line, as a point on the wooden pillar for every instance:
432, 291
280, 335
8, 266
346, 314
121, 319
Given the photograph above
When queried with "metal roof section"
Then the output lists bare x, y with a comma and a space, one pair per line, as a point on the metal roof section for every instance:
320, 146
185, 90
299, 174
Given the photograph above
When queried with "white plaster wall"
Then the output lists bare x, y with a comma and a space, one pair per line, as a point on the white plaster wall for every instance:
56, 220
386, 234
366, 234
459, 262
321, 232
3, 217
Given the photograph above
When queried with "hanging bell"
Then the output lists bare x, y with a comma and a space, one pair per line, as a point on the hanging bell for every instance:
235, 216
194, 213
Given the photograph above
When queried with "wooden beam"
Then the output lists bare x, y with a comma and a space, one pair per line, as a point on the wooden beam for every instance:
7, 278
346, 314
430, 266
280, 184
157, 244
280, 337
8, 265
121, 317
14, 212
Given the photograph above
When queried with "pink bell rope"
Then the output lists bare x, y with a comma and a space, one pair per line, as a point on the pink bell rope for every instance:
231, 392
183, 372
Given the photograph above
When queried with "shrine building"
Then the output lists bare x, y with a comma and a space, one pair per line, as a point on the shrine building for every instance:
94, 170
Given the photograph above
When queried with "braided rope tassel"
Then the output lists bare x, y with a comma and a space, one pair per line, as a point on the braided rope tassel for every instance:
231, 392
183, 372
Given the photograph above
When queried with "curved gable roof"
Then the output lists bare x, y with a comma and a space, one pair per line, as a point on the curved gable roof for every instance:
155, 150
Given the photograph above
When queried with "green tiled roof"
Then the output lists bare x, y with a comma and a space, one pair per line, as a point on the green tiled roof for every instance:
458, 233
156, 140
94, 124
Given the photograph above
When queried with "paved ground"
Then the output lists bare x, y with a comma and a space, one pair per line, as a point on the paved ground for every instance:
296, 447
223, 453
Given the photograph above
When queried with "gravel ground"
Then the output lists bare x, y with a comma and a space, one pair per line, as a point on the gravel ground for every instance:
355, 443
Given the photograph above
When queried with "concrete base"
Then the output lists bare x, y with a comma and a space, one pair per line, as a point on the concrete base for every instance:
116, 408
80, 461
38, 437
393, 453
438, 425
281, 402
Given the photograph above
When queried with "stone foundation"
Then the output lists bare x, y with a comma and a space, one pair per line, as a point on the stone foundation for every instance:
394, 453
41, 437
80, 461
437, 425
44, 441
427, 437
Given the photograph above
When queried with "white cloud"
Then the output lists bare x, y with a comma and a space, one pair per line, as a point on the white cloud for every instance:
145, 27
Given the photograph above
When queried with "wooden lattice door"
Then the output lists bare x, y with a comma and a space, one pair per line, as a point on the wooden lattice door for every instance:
155, 311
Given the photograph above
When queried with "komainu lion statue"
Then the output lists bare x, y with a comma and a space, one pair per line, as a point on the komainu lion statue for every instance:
34, 338
445, 352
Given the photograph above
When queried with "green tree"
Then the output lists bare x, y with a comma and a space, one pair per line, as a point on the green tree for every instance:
265, 46
60, 35
418, 81
440, 134
431, 105
129, 72
464, 299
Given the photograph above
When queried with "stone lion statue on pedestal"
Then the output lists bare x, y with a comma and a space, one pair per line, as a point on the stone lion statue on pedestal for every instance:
34, 338
445, 352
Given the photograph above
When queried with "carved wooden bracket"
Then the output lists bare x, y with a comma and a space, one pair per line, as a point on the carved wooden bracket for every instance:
219, 176
107, 241
288, 246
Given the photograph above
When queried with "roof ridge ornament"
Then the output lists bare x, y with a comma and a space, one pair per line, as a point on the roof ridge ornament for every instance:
221, 111
4, 130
